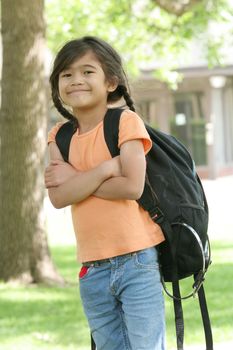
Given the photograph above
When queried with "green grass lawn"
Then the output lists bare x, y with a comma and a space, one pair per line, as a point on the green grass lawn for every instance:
39, 317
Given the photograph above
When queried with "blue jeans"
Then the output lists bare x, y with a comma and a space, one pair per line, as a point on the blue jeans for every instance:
123, 302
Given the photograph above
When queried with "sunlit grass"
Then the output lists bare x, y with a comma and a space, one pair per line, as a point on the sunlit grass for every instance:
218, 289
39, 317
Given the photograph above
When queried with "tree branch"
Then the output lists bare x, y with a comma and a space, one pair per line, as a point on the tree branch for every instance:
176, 7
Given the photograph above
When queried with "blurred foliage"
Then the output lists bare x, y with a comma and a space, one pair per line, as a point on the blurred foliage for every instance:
145, 31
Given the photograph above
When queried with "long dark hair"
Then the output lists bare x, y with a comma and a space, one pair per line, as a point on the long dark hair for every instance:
109, 59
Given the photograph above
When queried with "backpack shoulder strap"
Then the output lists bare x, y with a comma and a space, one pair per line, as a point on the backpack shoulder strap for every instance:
63, 139
205, 318
111, 133
111, 130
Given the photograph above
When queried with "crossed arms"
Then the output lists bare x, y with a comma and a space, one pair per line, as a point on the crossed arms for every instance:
121, 177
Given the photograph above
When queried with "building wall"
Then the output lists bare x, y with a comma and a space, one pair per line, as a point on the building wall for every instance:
199, 113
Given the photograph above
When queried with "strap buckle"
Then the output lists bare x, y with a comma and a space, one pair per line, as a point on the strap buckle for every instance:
157, 215
199, 279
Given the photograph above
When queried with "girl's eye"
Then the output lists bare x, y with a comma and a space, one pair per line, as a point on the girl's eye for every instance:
87, 72
66, 75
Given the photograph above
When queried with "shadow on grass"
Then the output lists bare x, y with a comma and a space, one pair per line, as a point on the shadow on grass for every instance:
48, 316
52, 317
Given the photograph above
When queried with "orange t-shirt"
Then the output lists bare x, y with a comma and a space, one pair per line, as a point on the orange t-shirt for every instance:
108, 228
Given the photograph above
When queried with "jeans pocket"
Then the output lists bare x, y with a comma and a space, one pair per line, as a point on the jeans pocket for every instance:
84, 272
147, 258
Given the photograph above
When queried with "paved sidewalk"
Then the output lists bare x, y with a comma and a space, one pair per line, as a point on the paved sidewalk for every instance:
219, 195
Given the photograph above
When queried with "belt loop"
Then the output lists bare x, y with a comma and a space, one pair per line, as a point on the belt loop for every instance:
114, 261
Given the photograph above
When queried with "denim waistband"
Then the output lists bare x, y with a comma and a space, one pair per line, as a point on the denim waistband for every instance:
108, 260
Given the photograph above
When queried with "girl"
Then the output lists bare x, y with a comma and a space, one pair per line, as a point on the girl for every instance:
119, 280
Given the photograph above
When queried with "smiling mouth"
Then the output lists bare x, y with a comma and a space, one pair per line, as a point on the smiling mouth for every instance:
76, 92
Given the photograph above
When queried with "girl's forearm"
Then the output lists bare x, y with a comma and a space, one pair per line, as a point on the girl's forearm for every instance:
119, 188
130, 183
79, 187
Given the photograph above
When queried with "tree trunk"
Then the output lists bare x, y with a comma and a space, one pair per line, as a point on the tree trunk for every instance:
24, 253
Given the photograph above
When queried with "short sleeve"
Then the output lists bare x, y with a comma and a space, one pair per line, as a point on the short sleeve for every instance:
53, 132
132, 128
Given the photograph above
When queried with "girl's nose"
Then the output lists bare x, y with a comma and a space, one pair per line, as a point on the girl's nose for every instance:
77, 79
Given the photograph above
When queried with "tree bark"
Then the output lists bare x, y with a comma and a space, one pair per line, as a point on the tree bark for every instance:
24, 253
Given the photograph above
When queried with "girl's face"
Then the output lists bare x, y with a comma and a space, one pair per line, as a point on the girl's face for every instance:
83, 85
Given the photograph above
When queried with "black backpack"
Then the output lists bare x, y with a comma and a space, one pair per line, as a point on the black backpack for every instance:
175, 199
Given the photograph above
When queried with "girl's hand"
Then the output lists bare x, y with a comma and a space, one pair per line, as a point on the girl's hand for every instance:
58, 172
114, 167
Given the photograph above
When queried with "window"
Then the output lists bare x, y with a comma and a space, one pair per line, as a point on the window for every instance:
188, 124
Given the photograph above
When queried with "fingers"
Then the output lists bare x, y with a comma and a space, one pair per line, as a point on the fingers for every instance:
49, 185
49, 182
56, 162
49, 177
58, 172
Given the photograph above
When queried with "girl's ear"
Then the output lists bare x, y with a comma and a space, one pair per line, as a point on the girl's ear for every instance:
112, 84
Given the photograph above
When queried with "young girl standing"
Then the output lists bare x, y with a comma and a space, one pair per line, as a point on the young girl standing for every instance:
119, 281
